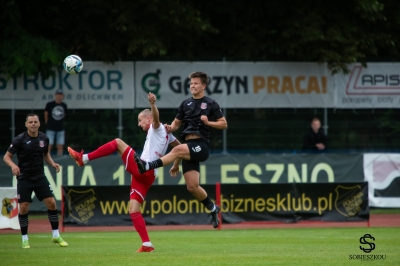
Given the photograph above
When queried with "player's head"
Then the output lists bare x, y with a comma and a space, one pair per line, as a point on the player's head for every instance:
198, 83
204, 79
32, 123
145, 119
30, 115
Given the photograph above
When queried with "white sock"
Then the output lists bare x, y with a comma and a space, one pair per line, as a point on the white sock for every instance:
55, 233
24, 237
213, 209
147, 166
85, 158
147, 244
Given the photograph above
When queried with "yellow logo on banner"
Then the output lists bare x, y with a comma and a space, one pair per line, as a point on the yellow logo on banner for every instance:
81, 204
288, 84
348, 200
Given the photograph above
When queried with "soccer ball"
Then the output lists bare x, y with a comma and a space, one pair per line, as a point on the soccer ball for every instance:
73, 64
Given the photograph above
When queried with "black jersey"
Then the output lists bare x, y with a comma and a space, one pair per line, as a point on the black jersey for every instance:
190, 111
56, 116
30, 152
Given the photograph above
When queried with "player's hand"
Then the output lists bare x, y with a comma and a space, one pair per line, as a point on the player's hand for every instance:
174, 171
168, 128
15, 170
320, 146
57, 167
152, 98
204, 118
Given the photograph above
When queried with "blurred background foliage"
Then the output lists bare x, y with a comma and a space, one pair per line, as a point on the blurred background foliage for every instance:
37, 35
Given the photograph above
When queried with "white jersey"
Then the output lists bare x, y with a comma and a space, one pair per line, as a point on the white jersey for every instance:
156, 145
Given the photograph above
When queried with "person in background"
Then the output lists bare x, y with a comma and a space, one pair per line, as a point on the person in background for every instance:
54, 115
315, 139
31, 148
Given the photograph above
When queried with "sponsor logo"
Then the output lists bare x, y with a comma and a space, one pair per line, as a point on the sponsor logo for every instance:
364, 82
189, 103
348, 200
10, 207
151, 83
28, 142
384, 175
81, 204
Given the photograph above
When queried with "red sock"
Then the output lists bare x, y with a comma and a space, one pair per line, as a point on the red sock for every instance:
104, 150
140, 226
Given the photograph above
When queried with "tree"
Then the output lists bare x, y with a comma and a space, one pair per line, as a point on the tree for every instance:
39, 34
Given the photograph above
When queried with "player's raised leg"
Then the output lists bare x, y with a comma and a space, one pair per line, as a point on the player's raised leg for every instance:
107, 149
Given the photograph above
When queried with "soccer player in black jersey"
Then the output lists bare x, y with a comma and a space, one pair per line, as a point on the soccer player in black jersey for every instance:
31, 148
197, 114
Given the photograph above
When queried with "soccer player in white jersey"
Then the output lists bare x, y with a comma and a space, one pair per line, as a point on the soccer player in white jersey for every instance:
157, 141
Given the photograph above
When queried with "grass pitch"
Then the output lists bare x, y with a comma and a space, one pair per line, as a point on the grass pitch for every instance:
319, 246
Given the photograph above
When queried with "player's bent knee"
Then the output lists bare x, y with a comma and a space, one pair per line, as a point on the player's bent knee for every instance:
180, 150
192, 188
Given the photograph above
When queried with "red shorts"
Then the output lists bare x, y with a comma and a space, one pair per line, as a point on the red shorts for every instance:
140, 183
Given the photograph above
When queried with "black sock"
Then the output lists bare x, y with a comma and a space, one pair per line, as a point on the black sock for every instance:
155, 164
53, 218
23, 223
208, 203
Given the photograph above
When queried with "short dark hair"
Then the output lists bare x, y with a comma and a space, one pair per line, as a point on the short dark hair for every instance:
29, 115
203, 77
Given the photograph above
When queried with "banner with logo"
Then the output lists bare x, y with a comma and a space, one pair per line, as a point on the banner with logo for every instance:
109, 205
239, 203
238, 84
219, 168
9, 209
377, 86
382, 172
97, 86
295, 202
232, 85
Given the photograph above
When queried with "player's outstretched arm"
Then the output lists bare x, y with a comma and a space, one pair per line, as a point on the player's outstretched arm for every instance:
174, 125
154, 110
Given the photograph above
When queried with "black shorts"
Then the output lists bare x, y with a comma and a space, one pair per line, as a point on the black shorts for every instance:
199, 152
39, 184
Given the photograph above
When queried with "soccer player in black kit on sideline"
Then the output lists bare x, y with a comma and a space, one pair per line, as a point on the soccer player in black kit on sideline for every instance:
31, 148
197, 114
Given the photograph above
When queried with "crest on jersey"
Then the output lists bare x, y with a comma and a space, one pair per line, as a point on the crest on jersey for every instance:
41, 143
203, 106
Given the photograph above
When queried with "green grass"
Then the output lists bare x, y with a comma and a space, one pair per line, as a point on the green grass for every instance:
319, 246
384, 211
